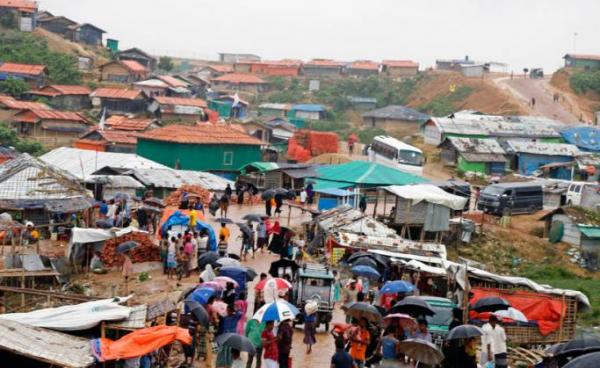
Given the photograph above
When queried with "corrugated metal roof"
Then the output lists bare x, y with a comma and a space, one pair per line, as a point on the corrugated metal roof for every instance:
61, 89
584, 56
396, 112
200, 134
367, 174
498, 126
275, 106
169, 178
308, 107
483, 157
54, 115
355, 99
83, 163
115, 136
22, 5
592, 232
27, 69
120, 122
116, 181
476, 145
180, 101
13, 104
133, 66
117, 93
326, 63
400, 63
172, 81
364, 64
239, 78
540, 148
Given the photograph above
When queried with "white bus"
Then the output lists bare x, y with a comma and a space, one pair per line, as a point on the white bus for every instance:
391, 152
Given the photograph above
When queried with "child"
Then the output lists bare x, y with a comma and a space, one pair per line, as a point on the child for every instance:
222, 245
171, 260
236, 360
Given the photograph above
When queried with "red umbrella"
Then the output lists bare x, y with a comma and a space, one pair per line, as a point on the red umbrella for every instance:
404, 320
278, 283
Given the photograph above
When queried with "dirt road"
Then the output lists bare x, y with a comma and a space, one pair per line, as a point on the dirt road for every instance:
524, 89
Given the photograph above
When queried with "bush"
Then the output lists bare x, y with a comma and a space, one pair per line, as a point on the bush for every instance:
8, 137
8, 20
584, 81
366, 135
165, 63
443, 105
13, 87
548, 272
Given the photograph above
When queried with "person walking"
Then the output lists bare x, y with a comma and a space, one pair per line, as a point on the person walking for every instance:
261, 236
278, 204
337, 288
310, 328
494, 344
350, 295
241, 305
303, 197
359, 340
285, 334
341, 358
171, 257
253, 331
362, 205
269, 343
388, 348
224, 204
268, 206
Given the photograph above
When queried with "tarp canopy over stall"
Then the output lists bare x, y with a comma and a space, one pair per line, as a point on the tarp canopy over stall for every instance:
427, 193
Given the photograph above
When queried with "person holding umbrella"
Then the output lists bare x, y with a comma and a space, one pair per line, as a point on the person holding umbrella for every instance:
494, 343
285, 333
269, 343
359, 340
253, 331
388, 348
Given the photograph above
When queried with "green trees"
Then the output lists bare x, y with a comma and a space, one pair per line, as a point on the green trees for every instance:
29, 49
13, 87
165, 63
8, 137
584, 81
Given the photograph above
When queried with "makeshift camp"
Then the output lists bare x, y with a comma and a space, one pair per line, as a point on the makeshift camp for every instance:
178, 218
46, 346
334, 197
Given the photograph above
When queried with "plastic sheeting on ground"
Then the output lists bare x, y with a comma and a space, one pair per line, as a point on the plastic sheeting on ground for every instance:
546, 310
76, 317
428, 193
139, 343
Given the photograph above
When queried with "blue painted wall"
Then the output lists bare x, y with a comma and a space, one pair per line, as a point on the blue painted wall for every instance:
528, 163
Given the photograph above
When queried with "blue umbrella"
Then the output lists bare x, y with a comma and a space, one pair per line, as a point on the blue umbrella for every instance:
366, 271
397, 286
201, 295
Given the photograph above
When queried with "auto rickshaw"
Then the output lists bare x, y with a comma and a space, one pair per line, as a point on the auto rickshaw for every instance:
314, 282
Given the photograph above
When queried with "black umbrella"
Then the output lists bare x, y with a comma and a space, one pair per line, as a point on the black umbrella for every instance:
254, 217
365, 261
244, 228
282, 264
575, 347
250, 273
235, 341
224, 220
413, 306
360, 309
421, 351
585, 361
464, 332
234, 256
198, 312
490, 304
270, 193
208, 258
127, 246
155, 202
381, 260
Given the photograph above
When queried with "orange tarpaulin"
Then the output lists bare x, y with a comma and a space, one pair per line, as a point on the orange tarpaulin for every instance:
139, 343
546, 310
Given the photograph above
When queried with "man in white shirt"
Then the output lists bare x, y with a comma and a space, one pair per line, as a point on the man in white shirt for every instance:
303, 196
494, 343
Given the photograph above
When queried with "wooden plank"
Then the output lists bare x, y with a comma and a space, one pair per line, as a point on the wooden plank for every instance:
53, 294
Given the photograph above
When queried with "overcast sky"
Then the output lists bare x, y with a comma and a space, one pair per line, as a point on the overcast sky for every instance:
522, 33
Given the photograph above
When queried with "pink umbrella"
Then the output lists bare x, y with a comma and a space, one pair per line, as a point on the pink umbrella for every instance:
276, 283
213, 285
404, 320
223, 280
220, 308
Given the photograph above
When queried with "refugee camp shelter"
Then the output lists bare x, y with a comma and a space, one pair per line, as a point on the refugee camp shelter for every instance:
363, 103
228, 57
123, 71
586, 138
181, 109
119, 100
267, 175
575, 226
164, 85
307, 111
583, 61
395, 117
274, 109
64, 97
425, 206
323, 68
57, 24
9, 107
229, 107
529, 156
204, 147
107, 187
362, 174
399, 68
23, 12
238, 82
137, 55
283, 68
34, 74
478, 155
52, 128
126, 123
362, 68
34, 190
215, 70
329, 198
107, 141
87, 33
82, 163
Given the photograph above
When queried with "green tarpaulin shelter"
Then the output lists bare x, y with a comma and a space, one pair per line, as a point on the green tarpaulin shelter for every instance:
363, 174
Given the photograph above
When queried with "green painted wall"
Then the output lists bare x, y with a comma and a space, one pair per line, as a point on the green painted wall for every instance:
586, 64
464, 136
464, 165
202, 157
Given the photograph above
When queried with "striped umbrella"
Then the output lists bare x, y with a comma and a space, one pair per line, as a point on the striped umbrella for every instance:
277, 311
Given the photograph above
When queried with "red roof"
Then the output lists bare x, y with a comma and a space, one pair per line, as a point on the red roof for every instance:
584, 56
120, 122
32, 116
220, 68
400, 64
114, 136
61, 89
239, 78
22, 5
324, 62
364, 64
117, 93
133, 66
13, 104
28, 69
172, 81
180, 101
283, 62
201, 134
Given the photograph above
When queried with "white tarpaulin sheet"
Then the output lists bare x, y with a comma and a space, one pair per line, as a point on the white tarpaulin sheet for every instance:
428, 193
82, 235
76, 317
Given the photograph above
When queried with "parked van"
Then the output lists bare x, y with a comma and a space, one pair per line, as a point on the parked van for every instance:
507, 199
574, 193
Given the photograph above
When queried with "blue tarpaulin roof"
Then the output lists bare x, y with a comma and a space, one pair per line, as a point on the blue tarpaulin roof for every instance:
308, 107
178, 218
585, 137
